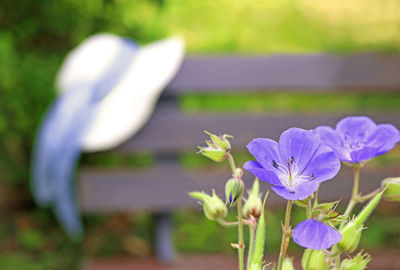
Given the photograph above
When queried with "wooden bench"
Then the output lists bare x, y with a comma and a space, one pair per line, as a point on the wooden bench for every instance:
163, 188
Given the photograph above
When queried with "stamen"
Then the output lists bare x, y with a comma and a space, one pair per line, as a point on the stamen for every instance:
275, 164
311, 176
291, 160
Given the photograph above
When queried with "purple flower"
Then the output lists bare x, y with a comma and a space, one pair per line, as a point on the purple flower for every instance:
296, 165
358, 138
313, 234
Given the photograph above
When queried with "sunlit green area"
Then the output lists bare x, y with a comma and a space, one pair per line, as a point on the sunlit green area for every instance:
35, 36
285, 102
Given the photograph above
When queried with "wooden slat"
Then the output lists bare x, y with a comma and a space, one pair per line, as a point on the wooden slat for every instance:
316, 72
169, 130
165, 187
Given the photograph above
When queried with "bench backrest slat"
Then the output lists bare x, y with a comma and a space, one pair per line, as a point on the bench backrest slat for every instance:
308, 72
171, 131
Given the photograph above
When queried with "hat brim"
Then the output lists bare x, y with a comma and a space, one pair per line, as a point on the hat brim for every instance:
129, 105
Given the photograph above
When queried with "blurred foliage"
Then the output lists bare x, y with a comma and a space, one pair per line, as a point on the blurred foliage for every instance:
292, 102
29, 241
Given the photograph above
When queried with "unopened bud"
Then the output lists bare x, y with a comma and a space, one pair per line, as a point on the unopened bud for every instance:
214, 208
367, 210
253, 205
287, 264
220, 141
233, 189
351, 234
217, 155
392, 192
359, 262
217, 147
313, 259
352, 231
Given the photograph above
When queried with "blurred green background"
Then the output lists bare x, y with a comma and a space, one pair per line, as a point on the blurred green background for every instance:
36, 35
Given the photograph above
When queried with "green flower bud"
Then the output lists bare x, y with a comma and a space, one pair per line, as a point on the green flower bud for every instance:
217, 147
220, 141
359, 262
287, 264
214, 208
351, 235
233, 189
305, 258
253, 205
216, 155
392, 192
367, 210
313, 260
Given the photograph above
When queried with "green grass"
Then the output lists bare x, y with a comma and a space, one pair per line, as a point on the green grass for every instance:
292, 102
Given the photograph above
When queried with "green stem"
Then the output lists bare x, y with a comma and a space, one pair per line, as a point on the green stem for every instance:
337, 262
368, 196
316, 198
308, 209
231, 163
225, 223
252, 230
240, 233
354, 195
285, 235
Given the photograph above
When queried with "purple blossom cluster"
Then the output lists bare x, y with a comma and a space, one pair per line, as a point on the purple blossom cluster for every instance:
302, 159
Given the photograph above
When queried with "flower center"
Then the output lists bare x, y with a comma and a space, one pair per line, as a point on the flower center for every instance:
355, 143
289, 174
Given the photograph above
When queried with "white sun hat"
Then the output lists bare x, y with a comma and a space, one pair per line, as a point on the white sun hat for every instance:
108, 88
130, 103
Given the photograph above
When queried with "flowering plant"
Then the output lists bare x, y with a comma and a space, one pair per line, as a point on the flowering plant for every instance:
295, 167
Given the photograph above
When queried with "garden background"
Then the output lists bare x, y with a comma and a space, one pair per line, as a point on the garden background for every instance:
35, 37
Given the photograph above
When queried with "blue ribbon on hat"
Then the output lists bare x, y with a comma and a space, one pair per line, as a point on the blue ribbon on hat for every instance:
59, 142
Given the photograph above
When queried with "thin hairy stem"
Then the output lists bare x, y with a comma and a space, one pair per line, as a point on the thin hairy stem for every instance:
354, 195
285, 235
240, 233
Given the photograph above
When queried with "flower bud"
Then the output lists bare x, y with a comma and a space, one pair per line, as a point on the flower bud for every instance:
359, 262
392, 192
253, 205
220, 141
217, 147
313, 259
352, 231
351, 235
214, 208
233, 189
287, 264
217, 155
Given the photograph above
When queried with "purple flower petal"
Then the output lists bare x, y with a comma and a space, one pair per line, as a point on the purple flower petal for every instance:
330, 137
265, 151
324, 165
313, 234
355, 127
358, 138
301, 192
255, 168
299, 145
385, 137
